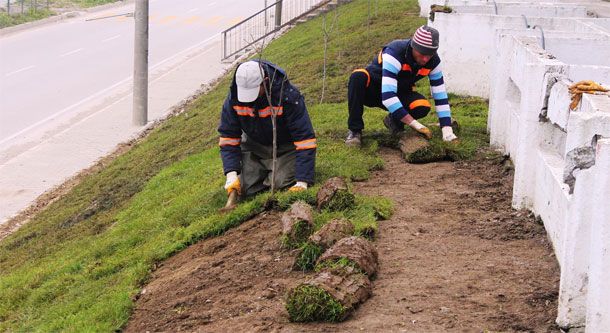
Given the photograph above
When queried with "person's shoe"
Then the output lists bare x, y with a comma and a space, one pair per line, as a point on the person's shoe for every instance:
354, 139
392, 125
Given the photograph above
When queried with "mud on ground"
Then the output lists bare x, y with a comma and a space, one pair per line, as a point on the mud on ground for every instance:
454, 257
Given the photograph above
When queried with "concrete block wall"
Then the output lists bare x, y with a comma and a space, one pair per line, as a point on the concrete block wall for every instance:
503, 7
561, 156
555, 152
466, 42
552, 147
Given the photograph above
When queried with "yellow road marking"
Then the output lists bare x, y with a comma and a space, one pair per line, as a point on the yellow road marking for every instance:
213, 20
236, 20
192, 19
167, 19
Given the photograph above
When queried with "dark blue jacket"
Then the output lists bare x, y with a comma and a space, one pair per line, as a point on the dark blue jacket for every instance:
254, 119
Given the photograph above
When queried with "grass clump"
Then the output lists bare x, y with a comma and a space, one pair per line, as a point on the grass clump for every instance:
307, 303
308, 254
301, 232
338, 265
341, 200
283, 200
471, 113
7, 20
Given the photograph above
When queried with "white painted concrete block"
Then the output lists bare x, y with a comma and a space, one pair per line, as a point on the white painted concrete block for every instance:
555, 151
549, 8
589, 72
580, 51
551, 201
598, 302
558, 109
474, 54
591, 117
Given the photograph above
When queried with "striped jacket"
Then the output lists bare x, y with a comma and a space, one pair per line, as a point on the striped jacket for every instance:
397, 71
254, 119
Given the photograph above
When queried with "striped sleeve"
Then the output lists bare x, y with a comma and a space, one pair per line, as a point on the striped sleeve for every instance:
439, 93
389, 84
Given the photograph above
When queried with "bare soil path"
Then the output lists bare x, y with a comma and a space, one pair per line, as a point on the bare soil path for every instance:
454, 257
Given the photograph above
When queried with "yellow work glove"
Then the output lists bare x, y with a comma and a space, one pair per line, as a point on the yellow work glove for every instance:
232, 183
298, 187
417, 126
421, 129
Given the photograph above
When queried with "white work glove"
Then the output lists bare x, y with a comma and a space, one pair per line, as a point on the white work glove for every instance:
232, 183
448, 135
417, 126
299, 186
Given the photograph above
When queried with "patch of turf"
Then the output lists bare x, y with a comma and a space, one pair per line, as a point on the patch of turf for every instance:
471, 114
308, 254
302, 231
341, 200
307, 303
338, 265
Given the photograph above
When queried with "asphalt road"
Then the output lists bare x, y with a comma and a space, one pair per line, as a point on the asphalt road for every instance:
50, 71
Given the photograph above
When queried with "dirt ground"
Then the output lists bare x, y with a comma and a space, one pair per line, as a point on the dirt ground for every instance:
453, 258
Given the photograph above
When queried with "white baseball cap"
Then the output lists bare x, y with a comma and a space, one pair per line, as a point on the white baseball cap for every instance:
248, 79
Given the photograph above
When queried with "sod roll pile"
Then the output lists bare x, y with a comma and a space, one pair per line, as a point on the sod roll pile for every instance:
342, 283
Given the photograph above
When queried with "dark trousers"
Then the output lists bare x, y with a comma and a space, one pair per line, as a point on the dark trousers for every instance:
361, 91
257, 161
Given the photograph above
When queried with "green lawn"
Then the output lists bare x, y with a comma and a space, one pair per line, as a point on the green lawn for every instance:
28, 16
78, 264
42, 11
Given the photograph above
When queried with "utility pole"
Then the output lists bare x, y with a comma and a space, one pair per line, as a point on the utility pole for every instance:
140, 67
278, 15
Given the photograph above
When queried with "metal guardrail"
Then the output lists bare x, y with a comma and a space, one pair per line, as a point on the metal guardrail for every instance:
264, 23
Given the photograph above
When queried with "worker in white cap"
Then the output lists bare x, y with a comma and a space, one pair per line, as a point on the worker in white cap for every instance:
246, 131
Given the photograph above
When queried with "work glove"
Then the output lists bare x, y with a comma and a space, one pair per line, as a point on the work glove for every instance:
448, 135
299, 186
587, 87
417, 126
232, 183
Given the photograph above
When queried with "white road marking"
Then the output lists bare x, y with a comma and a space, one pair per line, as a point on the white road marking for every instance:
101, 92
193, 10
19, 70
129, 95
111, 38
211, 4
70, 53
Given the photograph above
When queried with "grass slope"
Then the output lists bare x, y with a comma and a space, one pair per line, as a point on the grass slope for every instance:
79, 263
7, 20
49, 8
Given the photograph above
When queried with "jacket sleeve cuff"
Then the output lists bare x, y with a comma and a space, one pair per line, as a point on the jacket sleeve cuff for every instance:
399, 114
445, 121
